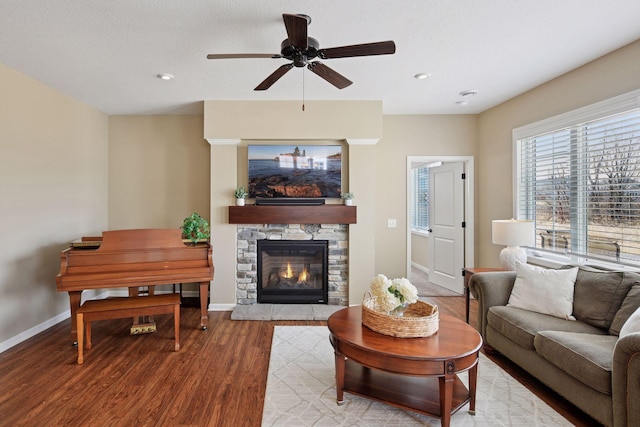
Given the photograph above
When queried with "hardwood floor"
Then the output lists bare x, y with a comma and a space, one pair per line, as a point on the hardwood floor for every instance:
217, 379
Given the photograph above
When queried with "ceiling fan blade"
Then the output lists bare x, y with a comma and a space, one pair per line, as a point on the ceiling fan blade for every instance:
366, 49
333, 77
243, 55
269, 81
296, 26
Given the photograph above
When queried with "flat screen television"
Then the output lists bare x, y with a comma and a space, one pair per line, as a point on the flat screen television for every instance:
295, 171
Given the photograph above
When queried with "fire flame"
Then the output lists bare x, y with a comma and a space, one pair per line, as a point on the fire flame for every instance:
288, 274
304, 276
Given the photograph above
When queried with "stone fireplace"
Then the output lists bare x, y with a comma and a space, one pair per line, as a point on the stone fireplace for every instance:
333, 236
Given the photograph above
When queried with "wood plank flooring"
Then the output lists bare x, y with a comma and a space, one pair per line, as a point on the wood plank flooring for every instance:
217, 379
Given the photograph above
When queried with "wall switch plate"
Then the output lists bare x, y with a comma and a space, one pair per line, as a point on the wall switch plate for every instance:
391, 223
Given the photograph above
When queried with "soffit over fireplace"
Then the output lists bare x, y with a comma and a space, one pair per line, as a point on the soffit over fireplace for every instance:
285, 120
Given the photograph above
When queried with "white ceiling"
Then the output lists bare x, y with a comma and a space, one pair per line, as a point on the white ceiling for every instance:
107, 53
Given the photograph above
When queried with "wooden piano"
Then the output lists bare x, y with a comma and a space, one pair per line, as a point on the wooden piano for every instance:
134, 258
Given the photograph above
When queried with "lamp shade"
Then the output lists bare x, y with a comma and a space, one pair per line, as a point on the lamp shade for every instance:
512, 232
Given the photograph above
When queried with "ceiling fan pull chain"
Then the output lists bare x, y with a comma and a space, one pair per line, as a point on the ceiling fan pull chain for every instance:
303, 73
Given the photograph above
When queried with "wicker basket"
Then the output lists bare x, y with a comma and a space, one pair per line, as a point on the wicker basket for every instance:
420, 320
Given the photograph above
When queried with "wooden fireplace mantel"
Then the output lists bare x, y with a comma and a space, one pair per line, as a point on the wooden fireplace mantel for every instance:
323, 214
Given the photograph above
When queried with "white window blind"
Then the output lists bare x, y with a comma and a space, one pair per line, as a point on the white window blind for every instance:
580, 183
420, 199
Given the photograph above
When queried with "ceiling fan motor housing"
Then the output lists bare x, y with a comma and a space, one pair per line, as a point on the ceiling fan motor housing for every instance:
298, 56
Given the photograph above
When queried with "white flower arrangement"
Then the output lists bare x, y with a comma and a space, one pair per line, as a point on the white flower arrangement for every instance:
391, 294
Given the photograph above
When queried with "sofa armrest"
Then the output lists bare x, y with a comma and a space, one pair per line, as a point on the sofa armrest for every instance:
626, 381
490, 289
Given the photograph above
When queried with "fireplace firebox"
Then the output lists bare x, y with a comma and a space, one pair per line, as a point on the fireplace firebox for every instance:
292, 271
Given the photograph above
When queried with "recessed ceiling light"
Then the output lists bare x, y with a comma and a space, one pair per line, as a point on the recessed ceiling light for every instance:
422, 76
165, 76
462, 103
469, 93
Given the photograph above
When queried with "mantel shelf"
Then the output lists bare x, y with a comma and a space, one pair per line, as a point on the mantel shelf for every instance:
323, 214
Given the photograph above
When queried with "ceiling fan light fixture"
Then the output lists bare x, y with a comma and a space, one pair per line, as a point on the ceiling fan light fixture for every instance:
165, 76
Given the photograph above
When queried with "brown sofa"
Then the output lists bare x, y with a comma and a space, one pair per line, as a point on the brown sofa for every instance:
583, 360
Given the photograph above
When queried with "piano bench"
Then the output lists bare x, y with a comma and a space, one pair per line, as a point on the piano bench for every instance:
123, 307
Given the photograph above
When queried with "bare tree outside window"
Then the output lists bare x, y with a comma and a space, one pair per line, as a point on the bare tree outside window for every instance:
583, 183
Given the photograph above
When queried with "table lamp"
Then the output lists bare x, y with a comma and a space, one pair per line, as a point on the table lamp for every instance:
513, 233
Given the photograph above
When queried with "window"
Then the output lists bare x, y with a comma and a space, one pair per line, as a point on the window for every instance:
420, 199
578, 179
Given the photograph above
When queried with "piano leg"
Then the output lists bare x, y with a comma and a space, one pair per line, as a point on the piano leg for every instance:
142, 324
74, 304
204, 305
134, 292
151, 290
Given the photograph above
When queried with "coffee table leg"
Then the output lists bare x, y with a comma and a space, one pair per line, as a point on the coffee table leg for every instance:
446, 398
473, 379
340, 367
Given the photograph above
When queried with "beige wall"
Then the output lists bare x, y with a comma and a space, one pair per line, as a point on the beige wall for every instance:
224, 176
362, 238
611, 75
158, 171
53, 189
410, 135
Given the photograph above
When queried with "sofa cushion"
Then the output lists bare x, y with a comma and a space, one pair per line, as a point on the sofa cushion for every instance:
586, 357
629, 305
598, 295
544, 290
632, 325
521, 326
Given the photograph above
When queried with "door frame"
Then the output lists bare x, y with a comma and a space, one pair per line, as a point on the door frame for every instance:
469, 206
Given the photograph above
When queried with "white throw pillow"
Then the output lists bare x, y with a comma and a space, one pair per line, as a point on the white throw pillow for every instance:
544, 290
631, 325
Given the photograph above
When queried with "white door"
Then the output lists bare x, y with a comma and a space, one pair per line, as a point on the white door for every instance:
446, 213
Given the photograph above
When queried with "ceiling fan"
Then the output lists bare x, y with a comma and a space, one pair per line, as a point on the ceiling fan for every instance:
301, 49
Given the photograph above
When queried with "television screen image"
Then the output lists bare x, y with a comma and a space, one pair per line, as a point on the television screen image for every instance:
295, 171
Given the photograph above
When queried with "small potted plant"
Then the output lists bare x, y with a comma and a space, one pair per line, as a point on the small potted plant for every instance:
240, 194
348, 198
195, 228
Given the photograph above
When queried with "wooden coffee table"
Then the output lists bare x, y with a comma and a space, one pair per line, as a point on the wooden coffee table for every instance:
419, 374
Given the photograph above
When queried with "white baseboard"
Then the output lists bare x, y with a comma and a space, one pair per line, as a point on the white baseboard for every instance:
23, 336
419, 267
221, 307
6, 345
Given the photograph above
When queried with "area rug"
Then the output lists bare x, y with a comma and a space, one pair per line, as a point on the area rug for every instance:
301, 392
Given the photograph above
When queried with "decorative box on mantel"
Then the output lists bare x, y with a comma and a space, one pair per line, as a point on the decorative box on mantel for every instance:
323, 214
